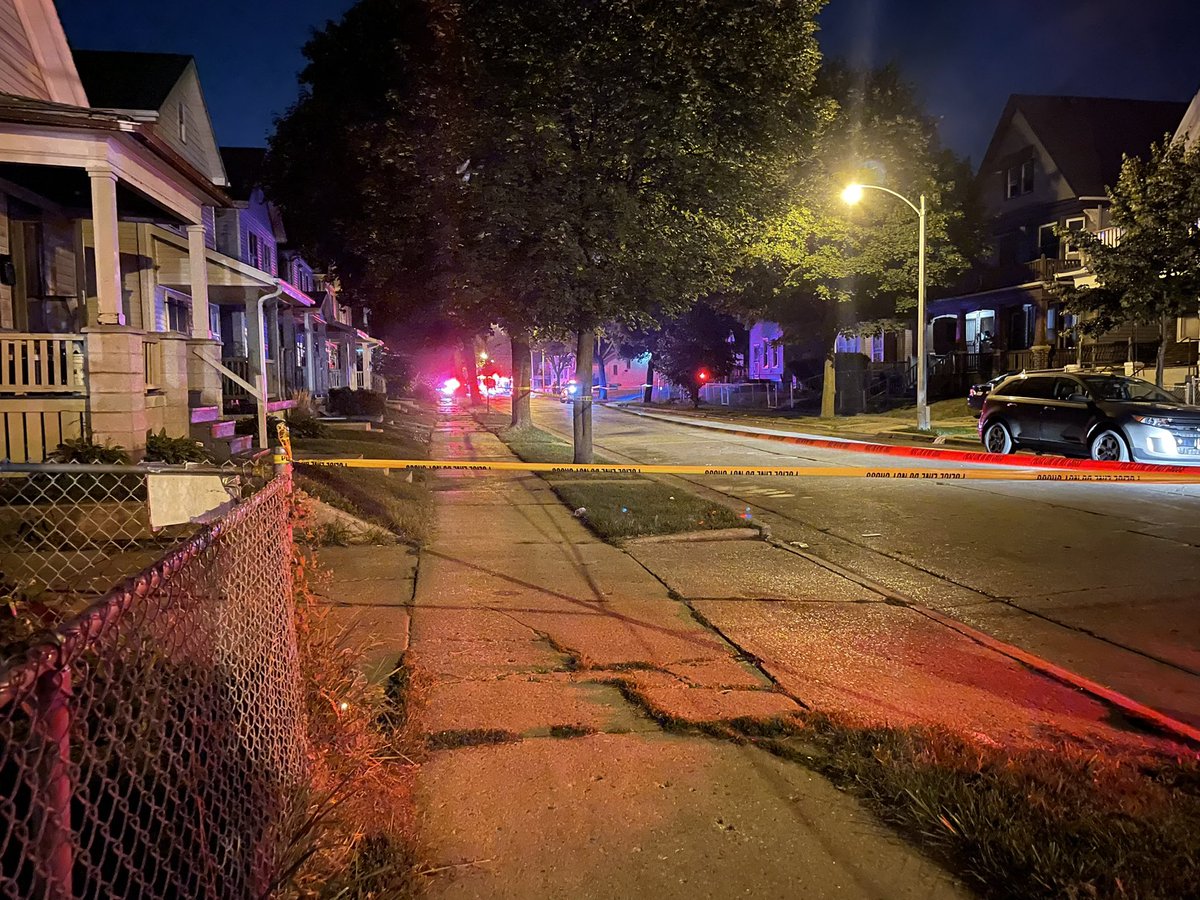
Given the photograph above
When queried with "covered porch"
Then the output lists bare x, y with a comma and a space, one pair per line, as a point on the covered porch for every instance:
257, 320
85, 351
350, 358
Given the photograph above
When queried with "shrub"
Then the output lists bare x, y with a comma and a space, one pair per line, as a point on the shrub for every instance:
249, 425
85, 450
175, 450
345, 402
303, 425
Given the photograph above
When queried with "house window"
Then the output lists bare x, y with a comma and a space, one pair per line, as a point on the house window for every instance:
178, 314
1019, 180
253, 249
1048, 243
1070, 250
183, 122
614, 368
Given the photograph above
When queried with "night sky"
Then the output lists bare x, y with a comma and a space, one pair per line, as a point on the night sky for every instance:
965, 56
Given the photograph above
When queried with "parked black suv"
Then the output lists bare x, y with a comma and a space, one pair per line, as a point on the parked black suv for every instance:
1085, 414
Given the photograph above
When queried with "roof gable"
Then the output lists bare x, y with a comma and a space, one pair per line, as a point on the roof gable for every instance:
1189, 128
1086, 137
166, 88
36, 61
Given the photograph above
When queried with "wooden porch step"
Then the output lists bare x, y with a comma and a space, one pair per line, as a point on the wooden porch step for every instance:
205, 414
274, 406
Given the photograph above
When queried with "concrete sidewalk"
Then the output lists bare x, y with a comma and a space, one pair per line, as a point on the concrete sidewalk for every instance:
861, 428
528, 635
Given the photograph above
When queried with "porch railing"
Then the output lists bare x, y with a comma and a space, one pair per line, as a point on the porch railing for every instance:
230, 389
337, 378
360, 381
31, 429
42, 363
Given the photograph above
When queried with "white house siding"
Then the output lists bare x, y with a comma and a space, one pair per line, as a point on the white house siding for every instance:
256, 219
766, 361
200, 147
208, 218
228, 233
19, 71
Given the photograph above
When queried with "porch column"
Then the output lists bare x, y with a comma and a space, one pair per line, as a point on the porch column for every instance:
1041, 347
960, 330
110, 310
198, 271
310, 361
368, 355
274, 347
349, 364
255, 339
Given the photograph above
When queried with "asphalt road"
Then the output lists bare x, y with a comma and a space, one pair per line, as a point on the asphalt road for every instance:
1102, 579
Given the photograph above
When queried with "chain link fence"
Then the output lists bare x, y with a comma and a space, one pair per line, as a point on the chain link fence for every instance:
151, 724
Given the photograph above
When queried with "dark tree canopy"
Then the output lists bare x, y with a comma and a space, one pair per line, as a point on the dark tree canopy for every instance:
555, 165
823, 267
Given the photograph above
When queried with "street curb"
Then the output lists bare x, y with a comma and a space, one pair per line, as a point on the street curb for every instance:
1127, 705
694, 537
974, 457
1132, 708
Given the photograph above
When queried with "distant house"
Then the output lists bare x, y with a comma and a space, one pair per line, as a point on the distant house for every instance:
1047, 166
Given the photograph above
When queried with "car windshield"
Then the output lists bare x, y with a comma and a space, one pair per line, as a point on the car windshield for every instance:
1132, 389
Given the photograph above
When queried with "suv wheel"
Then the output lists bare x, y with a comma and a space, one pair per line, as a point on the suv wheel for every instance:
1109, 445
998, 439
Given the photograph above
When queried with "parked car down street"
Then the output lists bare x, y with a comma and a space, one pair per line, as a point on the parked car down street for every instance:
977, 393
1099, 416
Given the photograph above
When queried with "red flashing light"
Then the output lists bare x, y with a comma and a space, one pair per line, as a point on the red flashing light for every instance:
702, 375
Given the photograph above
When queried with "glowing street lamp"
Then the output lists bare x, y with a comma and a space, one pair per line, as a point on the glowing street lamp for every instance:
851, 195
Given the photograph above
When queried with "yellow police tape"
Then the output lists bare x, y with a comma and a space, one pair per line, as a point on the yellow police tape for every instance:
995, 474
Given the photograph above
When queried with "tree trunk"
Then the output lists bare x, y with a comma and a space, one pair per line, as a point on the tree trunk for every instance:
1160, 362
472, 371
601, 374
522, 389
648, 388
829, 389
581, 413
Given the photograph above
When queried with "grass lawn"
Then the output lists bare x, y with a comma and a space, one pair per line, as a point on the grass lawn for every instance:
367, 444
619, 506
392, 502
1072, 822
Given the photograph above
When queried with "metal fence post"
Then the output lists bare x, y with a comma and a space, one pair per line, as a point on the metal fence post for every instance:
51, 728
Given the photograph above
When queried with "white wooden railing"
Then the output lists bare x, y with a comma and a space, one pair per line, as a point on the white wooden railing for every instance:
337, 378
360, 381
1111, 236
42, 363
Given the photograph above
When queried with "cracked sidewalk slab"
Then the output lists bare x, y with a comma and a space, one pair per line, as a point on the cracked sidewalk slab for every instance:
881, 664
655, 815
745, 571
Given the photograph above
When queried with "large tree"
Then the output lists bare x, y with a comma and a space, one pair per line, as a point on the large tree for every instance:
551, 165
629, 145
823, 268
1152, 274
698, 347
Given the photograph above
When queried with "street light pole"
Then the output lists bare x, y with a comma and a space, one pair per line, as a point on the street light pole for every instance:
922, 358
851, 195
